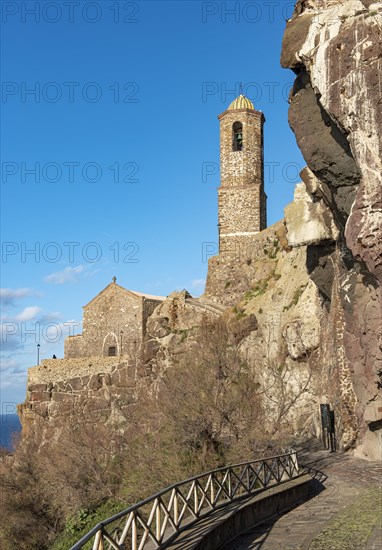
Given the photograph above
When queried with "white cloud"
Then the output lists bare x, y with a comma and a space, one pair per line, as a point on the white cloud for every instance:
10, 337
13, 373
9, 295
49, 317
11, 365
198, 283
68, 275
55, 332
17, 332
28, 313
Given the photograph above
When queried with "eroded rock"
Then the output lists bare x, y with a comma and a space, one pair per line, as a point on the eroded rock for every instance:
309, 222
336, 49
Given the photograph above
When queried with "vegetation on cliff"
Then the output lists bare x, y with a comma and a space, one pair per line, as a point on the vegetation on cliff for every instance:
206, 411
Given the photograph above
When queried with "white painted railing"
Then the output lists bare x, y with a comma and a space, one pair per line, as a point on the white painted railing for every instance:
156, 520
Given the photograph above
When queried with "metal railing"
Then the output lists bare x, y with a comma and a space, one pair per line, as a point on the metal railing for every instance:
156, 520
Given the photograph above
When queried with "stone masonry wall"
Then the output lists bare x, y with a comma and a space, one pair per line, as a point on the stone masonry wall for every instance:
109, 313
88, 383
241, 167
96, 388
73, 346
241, 197
53, 370
239, 214
112, 311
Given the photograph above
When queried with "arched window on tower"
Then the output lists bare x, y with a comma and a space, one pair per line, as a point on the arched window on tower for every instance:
237, 130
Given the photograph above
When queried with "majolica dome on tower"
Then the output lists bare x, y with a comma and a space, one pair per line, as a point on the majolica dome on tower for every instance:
241, 102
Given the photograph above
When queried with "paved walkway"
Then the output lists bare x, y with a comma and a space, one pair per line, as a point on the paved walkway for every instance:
346, 481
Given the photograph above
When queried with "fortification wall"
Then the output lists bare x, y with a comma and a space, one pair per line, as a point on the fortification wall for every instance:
95, 388
231, 272
54, 370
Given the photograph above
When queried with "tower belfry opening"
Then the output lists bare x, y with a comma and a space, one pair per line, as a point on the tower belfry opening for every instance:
237, 130
241, 196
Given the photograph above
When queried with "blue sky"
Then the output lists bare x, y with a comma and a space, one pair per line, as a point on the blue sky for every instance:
110, 151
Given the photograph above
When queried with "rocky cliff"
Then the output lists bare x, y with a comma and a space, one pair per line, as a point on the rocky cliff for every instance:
303, 304
106, 389
335, 49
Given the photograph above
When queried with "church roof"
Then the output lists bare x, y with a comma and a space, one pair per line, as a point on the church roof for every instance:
241, 102
130, 292
148, 296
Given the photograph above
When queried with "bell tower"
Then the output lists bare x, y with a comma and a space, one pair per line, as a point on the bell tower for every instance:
241, 196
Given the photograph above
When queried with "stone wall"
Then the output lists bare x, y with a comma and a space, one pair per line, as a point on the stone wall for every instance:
88, 382
94, 388
74, 346
239, 214
103, 388
112, 311
51, 370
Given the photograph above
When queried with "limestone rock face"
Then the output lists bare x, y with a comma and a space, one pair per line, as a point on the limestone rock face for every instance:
233, 273
276, 311
180, 312
308, 222
171, 327
335, 49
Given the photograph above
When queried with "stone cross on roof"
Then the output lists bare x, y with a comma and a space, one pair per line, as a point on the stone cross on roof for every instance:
114, 279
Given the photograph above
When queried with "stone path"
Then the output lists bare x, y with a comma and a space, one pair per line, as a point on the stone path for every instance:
346, 481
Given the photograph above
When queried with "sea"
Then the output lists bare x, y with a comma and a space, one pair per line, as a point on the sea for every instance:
9, 425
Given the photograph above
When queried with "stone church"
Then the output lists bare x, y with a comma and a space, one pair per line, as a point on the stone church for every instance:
114, 322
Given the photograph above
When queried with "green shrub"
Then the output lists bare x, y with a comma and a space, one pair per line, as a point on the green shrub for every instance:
82, 522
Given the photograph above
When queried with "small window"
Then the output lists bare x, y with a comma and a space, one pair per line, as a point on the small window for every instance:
112, 351
237, 130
